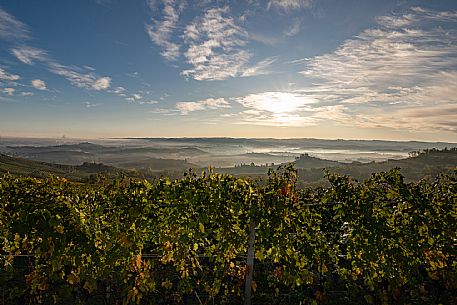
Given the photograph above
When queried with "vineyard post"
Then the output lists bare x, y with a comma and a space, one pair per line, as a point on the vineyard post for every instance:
250, 263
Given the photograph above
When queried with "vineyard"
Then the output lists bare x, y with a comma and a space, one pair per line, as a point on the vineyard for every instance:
187, 241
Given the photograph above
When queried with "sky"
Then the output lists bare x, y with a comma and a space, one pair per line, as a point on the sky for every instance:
329, 69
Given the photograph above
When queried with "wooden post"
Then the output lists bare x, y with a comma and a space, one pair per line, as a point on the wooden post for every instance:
250, 263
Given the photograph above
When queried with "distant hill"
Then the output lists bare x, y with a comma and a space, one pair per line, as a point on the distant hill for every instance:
307, 161
424, 165
127, 157
24, 167
306, 143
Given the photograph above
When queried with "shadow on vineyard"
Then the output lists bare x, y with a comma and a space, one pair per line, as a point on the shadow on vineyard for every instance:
381, 241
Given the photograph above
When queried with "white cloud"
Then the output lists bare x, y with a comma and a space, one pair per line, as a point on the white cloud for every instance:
77, 76
213, 44
139, 99
289, 5
160, 30
38, 84
8, 91
294, 29
102, 83
86, 80
27, 94
11, 28
28, 55
217, 48
385, 74
134, 97
151, 102
210, 103
90, 68
4, 75
90, 105
81, 77
260, 68
119, 91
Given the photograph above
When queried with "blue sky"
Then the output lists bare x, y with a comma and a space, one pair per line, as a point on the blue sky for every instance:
278, 68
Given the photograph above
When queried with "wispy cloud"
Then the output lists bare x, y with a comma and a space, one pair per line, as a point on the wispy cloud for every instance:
217, 48
102, 83
289, 5
134, 97
261, 68
4, 75
148, 102
38, 84
29, 55
160, 30
294, 29
79, 77
120, 91
86, 80
137, 98
90, 105
210, 103
11, 28
8, 91
403, 65
213, 44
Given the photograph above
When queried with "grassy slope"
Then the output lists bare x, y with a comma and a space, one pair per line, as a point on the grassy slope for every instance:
24, 167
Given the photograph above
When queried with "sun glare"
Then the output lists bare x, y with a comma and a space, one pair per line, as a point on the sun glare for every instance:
276, 102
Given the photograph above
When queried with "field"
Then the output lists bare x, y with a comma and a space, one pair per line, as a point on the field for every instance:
186, 241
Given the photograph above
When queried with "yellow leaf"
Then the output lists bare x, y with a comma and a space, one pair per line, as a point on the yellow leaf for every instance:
167, 284
254, 286
59, 229
324, 268
201, 227
72, 278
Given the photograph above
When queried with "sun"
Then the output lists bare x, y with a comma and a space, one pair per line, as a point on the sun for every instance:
277, 102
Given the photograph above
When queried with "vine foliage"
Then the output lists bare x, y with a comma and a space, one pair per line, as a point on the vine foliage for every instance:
381, 241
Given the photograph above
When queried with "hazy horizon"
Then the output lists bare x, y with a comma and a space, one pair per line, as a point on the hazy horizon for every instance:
88, 139
250, 69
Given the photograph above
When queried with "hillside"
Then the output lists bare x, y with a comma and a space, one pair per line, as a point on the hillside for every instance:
423, 165
125, 157
84, 172
307, 161
311, 170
